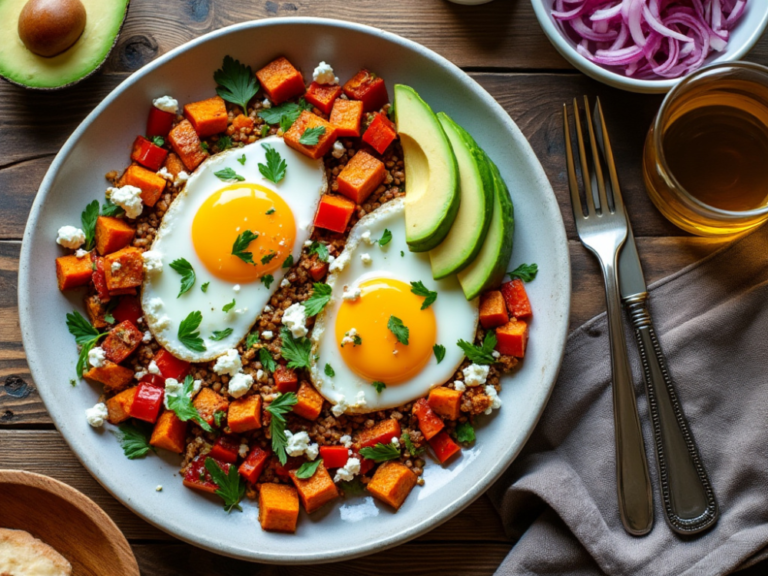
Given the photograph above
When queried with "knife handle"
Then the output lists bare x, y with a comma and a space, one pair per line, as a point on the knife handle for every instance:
689, 501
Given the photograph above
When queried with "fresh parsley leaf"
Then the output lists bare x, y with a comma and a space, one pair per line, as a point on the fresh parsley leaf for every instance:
85, 335
189, 335
204, 287
88, 220
181, 404
204, 146
221, 334
183, 267
526, 272
308, 469
242, 160
295, 350
236, 83
218, 418
399, 329
386, 237
380, 452
267, 258
480, 354
158, 141
279, 407
288, 262
329, 371
357, 340
231, 486
228, 174
439, 351
264, 131
227, 307
285, 114
111, 209
419, 289
134, 440
274, 169
270, 212
379, 386
321, 295
406, 438
402, 254
267, 280
224, 143
285, 123
465, 432
311, 136
253, 338
320, 249
242, 242
266, 360
109, 308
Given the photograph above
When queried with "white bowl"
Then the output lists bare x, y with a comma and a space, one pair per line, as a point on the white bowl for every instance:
743, 38
349, 527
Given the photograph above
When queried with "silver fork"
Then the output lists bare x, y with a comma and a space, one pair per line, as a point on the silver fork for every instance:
603, 231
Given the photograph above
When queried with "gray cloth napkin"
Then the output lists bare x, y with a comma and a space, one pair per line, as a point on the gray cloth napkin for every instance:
559, 496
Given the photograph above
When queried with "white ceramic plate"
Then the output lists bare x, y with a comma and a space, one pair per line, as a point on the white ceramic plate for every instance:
355, 526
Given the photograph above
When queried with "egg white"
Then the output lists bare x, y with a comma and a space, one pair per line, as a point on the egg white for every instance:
456, 317
304, 183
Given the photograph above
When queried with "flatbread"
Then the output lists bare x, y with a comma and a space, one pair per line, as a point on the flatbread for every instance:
21, 554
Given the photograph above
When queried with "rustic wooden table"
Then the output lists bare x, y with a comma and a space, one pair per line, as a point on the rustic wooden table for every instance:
501, 46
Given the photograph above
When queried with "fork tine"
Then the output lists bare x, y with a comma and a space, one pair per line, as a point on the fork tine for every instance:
573, 183
583, 157
618, 201
604, 206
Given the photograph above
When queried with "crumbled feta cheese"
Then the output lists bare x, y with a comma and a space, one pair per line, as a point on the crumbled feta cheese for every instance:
70, 237
323, 74
228, 363
196, 385
307, 243
340, 262
172, 388
243, 450
267, 335
139, 375
351, 293
475, 374
340, 407
331, 258
163, 173
348, 471
96, 357
147, 337
181, 178
267, 308
338, 149
285, 283
266, 103
349, 337
166, 104
394, 352
159, 488
236, 287
154, 305
259, 374
153, 261
496, 354
459, 385
366, 258
240, 384
295, 319
128, 198
395, 441
298, 444
495, 400
80, 253
152, 368
162, 323
346, 441
241, 311
366, 237
360, 401
115, 267
97, 415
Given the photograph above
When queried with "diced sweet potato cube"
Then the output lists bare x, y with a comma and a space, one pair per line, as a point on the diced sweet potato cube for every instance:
124, 269
308, 121
119, 406
445, 402
318, 270
112, 234
208, 403
96, 311
114, 377
368, 88
280, 80
174, 165
72, 272
493, 309
316, 490
121, 341
382, 432
150, 184
285, 380
322, 96
245, 414
361, 176
429, 422
392, 483
278, 507
517, 299
242, 122
512, 338
170, 433
334, 212
309, 404
208, 117
346, 115
186, 143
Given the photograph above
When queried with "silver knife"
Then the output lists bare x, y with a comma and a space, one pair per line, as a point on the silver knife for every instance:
687, 495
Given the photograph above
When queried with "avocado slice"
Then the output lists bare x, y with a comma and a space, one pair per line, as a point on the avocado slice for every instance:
468, 232
431, 173
104, 18
491, 263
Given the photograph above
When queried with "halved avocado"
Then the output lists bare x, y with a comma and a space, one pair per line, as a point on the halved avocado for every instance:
431, 174
468, 232
489, 267
19, 65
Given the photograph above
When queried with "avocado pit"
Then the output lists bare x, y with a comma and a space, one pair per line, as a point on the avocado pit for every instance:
49, 27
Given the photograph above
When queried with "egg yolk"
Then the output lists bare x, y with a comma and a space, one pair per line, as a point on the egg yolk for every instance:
231, 212
380, 356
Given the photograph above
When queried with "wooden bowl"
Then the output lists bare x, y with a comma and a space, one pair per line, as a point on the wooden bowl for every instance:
67, 520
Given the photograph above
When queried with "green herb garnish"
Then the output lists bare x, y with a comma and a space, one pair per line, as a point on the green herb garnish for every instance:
406, 438
525, 272
224, 143
267, 258
109, 208
242, 242
439, 351
465, 432
288, 262
380, 452
188, 333
85, 335
295, 350
181, 404
311, 136
236, 83
221, 334
279, 407
399, 329
227, 307
266, 360
267, 280
274, 169
242, 160
158, 141
321, 295
320, 249
134, 440
88, 221
419, 289
308, 469
183, 267
228, 174
329, 371
386, 238
231, 486
480, 354
379, 386
204, 287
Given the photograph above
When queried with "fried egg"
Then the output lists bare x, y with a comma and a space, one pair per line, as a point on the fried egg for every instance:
201, 227
354, 349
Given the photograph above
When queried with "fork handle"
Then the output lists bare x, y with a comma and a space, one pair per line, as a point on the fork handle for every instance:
632, 480
689, 501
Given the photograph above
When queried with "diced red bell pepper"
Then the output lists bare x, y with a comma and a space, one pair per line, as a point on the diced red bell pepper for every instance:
147, 402
283, 470
318, 270
517, 299
334, 456
443, 446
429, 422
154, 380
251, 468
226, 449
98, 277
380, 134
148, 154
170, 366
159, 122
286, 380
334, 212
128, 308
199, 478
512, 338
322, 96
369, 89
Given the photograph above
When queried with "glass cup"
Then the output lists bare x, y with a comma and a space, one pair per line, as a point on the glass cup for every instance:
742, 84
